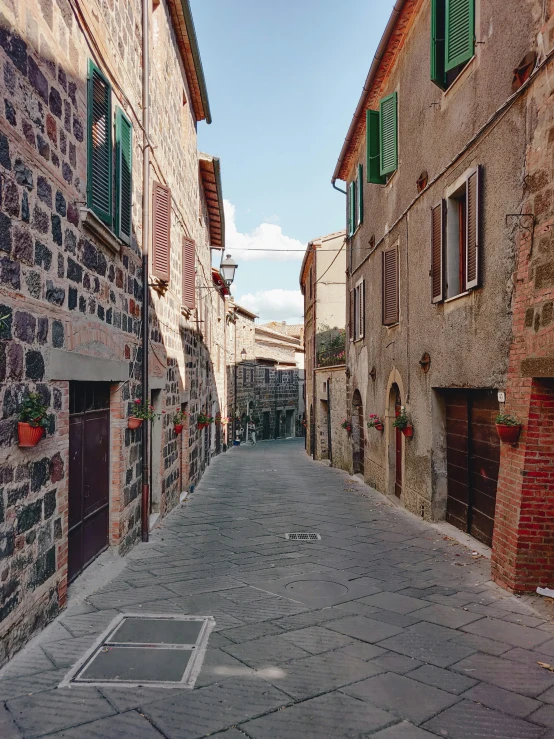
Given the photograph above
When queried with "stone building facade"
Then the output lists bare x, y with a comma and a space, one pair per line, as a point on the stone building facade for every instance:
448, 302
322, 282
71, 284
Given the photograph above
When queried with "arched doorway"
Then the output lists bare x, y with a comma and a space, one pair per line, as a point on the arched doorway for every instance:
396, 447
358, 434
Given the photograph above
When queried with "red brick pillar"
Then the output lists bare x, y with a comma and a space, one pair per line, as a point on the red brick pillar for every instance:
523, 544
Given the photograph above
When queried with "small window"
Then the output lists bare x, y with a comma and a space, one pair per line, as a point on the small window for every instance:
390, 287
352, 208
244, 376
251, 376
455, 241
359, 310
267, 376
452, 39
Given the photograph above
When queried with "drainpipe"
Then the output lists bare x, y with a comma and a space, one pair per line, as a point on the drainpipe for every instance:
329, 426
145, 243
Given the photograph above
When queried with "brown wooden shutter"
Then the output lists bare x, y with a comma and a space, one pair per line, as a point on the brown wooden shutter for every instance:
189, 274
437, 252
161, 231
390, 287
472, 229
351, 317
362, 309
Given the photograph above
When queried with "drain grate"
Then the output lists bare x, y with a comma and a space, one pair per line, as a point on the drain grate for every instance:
155, 650
303, 537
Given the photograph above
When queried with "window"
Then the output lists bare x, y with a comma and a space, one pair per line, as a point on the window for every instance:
99, 154
161, 231
455, 240
251, 376
452, 39
267, 376
244, 376
100, 171
310, 280
360, 196
382, 140
351, 208
189, 273
359, 310
390, 287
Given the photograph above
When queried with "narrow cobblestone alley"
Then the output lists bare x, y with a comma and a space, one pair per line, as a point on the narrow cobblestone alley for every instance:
383, 628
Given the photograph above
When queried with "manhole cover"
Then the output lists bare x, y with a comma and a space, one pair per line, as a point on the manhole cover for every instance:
317, 588
154, 650
303, 537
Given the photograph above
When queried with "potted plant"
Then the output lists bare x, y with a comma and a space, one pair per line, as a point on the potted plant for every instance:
203, 420
375, 422
402, 422
346, 425
141, 412
179, 418
33, 420
508, 428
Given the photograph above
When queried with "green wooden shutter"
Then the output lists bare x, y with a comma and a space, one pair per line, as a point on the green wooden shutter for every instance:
123, 176
360, 191
99, 143
460, 32
438, 30
373, 157
388, 133
355, 220
351, 208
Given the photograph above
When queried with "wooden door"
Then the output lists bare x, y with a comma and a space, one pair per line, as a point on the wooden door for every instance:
89, 435
473, 460
361, 440
398, 442
266, 425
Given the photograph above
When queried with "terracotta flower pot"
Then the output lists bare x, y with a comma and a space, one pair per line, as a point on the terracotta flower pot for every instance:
379, 426
178, 427
28, 435
508, 434
134, 423
408, 431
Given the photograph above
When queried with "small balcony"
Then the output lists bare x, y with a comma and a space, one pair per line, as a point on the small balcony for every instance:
331, 350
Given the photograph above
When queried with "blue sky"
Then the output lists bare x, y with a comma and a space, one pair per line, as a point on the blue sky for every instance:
284, 78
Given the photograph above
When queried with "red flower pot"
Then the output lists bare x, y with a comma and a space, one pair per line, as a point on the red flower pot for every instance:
379, 426
177, 427
134, 423
508, 434
408, 431
28, 435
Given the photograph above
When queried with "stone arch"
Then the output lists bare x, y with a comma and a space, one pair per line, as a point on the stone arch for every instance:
395, 446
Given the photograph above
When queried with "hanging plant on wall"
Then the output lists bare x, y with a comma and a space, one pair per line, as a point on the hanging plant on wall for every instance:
346, 425
33, 421
179, 418
202, 420
141, 412
508, 428
402, 422
375, 422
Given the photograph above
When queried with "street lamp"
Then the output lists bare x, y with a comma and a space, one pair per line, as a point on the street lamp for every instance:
227, 268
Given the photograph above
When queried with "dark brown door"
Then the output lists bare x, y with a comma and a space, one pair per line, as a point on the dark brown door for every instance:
89, 432
473, 459
398, 441
266, 425
361, 440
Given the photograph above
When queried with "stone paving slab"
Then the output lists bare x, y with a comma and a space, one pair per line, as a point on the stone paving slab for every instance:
415, 640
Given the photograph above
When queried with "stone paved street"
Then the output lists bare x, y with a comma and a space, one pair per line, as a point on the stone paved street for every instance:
384, 628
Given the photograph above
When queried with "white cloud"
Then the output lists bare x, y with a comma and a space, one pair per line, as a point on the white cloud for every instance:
267, 237
275, 305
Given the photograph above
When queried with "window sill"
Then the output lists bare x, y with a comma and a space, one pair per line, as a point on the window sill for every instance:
98, 228
391, 325
462, 76
455, 297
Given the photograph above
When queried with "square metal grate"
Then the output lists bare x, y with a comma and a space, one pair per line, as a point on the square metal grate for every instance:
163, 651
303, 537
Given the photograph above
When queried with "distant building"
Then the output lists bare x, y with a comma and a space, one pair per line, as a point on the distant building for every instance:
322, 281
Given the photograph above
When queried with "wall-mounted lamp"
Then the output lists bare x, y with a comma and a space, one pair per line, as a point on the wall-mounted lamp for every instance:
227, 268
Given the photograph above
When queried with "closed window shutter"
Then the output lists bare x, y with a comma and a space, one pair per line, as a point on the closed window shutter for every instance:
351, 208
189, 274
373, 156
437, 252
351, 317
460, 32
360, 191
355, 205
161, 231
438, 29
99, 142
388, 133
123, 176
362, 309
472, 229
390, 287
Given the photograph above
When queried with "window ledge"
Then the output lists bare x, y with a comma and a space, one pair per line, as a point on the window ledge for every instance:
455, 297
99, 229
462, 76
391, 325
